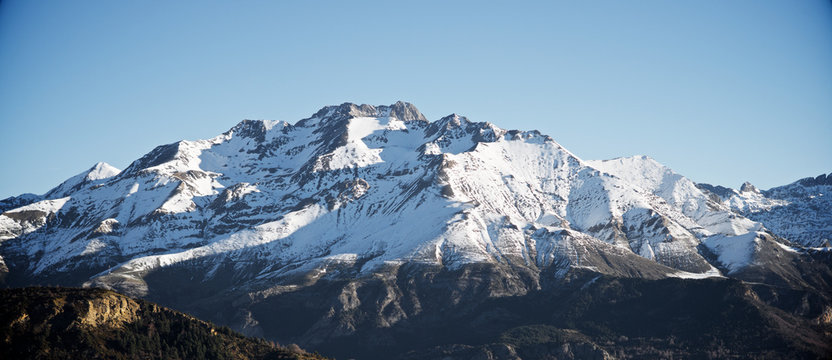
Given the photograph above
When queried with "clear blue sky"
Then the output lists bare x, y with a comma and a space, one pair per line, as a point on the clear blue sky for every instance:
720, 91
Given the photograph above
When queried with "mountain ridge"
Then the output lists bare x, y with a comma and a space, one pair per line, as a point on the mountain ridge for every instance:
341, 138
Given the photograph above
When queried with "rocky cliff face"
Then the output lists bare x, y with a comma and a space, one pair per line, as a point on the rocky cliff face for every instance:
62, 323
366, 215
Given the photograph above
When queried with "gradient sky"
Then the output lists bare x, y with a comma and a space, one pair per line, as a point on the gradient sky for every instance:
720, 91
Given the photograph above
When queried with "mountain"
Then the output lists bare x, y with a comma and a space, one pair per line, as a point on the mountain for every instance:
364, 219
62, 323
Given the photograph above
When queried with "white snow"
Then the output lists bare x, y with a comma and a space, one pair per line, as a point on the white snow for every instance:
713, 272
678, 191
102, 171
355, 153
34, 216
48, 206
94, 246
734, 252
787, 248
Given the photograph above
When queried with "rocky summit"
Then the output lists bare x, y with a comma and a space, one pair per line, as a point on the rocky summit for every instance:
366, 227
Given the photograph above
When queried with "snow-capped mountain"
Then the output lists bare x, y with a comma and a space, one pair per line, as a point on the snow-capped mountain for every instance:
357, 191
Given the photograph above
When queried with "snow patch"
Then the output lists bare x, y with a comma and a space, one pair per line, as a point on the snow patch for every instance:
94, 246
734, 252
712, 273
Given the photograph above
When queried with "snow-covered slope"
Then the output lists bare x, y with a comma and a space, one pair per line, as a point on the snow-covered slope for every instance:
91, 177
800, 212
678, 191
372, 187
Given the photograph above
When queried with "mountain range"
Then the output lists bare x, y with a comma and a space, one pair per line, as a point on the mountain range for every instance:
358, 227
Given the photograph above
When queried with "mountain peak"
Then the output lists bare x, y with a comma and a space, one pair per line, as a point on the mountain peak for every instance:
254, 128
401, 110
96, 173
101, 171
454, 120
748, 187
